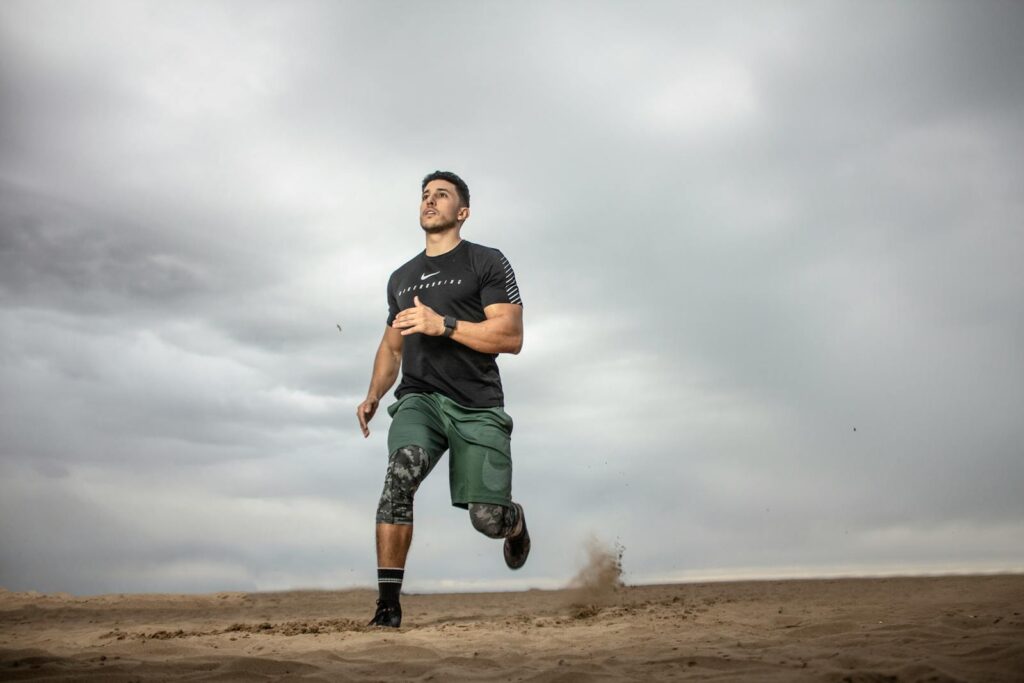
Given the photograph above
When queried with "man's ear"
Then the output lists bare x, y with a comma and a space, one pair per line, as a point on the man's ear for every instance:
463, 214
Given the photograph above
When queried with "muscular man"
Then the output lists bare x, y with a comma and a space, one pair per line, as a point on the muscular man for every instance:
452, 309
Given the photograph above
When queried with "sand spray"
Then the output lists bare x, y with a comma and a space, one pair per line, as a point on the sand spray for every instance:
598, 582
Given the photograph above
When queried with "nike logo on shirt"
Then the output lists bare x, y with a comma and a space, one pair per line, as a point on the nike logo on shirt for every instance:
426, 275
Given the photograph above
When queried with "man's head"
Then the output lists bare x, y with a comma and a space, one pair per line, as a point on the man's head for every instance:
444, 203
456, 181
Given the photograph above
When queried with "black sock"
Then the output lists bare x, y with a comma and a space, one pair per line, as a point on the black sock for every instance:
389, 583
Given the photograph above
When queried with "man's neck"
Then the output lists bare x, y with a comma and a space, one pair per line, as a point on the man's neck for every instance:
442, 242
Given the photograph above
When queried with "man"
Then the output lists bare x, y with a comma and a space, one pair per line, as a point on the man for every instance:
451, 310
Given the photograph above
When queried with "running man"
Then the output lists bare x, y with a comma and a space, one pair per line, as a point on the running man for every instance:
451, 310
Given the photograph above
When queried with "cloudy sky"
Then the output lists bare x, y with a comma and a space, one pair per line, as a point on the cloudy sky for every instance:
769, 253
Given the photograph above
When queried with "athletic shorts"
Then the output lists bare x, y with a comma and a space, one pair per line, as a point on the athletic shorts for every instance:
479, 440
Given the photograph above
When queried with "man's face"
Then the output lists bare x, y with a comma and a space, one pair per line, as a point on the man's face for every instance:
440, 207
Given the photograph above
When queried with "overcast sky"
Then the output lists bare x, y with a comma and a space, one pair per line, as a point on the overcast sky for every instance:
770, 255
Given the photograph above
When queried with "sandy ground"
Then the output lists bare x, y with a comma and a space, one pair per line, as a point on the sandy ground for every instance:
896, 629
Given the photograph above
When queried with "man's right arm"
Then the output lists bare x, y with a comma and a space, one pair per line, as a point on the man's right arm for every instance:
385, 372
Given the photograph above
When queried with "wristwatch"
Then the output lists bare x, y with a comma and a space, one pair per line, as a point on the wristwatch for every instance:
449, 325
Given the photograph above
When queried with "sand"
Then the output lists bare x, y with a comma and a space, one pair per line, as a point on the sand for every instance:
891, 629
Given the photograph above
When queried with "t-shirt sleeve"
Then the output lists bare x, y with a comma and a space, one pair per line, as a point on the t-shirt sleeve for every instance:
392, 302
498, 282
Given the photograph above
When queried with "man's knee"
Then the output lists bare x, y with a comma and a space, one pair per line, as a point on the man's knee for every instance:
407, 467
490, 519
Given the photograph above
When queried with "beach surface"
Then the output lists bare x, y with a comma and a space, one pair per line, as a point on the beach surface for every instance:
960, 628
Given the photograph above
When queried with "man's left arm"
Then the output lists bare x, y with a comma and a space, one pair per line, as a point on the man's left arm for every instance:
501, 332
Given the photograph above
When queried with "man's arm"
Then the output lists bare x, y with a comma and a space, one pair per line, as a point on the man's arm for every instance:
501, 332
385, 372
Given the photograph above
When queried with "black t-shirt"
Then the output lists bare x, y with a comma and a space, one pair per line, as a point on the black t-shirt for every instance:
461, 283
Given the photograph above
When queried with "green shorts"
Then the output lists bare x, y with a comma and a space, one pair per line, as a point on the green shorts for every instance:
480, 462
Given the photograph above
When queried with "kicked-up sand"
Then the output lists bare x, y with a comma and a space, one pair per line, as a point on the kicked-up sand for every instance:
962, 628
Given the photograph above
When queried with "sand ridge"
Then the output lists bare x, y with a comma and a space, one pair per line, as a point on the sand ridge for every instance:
894, 629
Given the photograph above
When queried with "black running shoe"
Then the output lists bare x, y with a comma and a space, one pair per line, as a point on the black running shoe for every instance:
517, 545
388, 614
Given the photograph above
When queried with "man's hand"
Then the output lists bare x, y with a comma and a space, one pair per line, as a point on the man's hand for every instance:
365, 412
420, 319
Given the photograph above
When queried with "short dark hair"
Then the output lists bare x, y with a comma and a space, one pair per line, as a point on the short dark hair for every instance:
459, 183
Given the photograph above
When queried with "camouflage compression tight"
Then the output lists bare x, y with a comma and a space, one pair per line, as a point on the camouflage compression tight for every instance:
408, 466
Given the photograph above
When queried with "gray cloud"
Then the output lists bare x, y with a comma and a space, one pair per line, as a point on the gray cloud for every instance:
740, 232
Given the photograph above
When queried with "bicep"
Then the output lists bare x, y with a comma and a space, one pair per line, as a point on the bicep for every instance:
392, 340
510, 314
